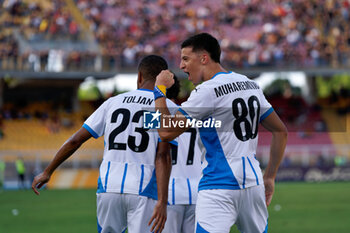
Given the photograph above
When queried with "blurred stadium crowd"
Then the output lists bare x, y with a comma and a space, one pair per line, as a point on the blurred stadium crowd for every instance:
253, 33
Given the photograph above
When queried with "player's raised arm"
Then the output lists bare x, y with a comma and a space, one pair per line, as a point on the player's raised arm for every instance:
165, 80
278, 143
66, 150
163, 170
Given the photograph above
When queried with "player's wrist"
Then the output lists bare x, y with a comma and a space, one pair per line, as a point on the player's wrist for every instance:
159, 91
163, 201
48, 171
159, 82
269, 177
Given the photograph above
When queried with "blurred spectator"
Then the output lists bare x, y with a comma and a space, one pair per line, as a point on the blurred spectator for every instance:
335, 92
343, 101
286, 162
339, 161
2, 174
2, 134
21, 170
291, 105
321, 161
67, 123
54, 123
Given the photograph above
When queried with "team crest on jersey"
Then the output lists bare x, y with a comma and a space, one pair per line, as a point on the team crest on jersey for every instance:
151, 120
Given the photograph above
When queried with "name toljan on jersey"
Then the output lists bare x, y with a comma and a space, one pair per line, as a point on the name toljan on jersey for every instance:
138, 100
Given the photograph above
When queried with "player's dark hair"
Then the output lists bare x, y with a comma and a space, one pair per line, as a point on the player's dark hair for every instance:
151, 65
174, 90
204, 41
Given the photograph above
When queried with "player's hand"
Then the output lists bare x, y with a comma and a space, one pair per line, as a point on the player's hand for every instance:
158, 217
166, 78
269, 189
39, 181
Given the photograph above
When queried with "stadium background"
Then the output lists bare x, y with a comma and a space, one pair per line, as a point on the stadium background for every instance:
59, 60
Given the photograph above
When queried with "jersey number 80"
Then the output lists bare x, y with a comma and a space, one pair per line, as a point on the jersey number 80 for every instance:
242, 111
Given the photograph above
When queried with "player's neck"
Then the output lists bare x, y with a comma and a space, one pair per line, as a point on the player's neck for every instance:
147, 85
213, 69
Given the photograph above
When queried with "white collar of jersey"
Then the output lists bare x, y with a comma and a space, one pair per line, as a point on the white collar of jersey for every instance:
142, 89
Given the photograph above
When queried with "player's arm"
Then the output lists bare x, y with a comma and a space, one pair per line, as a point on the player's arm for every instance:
278, 143
163, 170
66, 150
165, 80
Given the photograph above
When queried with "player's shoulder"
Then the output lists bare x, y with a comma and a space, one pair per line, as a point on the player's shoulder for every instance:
128, 93
228, 76
114, 98
219, 79
242, 77
238, 78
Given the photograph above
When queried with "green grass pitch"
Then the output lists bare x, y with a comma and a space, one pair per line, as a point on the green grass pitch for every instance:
296, 207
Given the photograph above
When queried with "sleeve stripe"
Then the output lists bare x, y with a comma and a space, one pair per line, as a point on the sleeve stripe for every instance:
266, 114
175, 143
91, 131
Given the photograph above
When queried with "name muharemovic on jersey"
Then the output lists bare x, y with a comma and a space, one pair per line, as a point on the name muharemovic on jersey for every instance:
234, 86
153, 120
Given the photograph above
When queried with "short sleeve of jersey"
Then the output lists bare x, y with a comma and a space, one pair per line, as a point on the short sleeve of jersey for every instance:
96, 122
265, 107
200, 104
172, 107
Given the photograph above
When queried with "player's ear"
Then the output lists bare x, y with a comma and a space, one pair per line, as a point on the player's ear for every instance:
204, 58
139, 79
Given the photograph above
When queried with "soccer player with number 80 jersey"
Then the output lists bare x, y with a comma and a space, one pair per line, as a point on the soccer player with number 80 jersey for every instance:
232, 189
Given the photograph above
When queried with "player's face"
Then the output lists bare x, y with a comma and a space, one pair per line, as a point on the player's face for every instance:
191, 64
